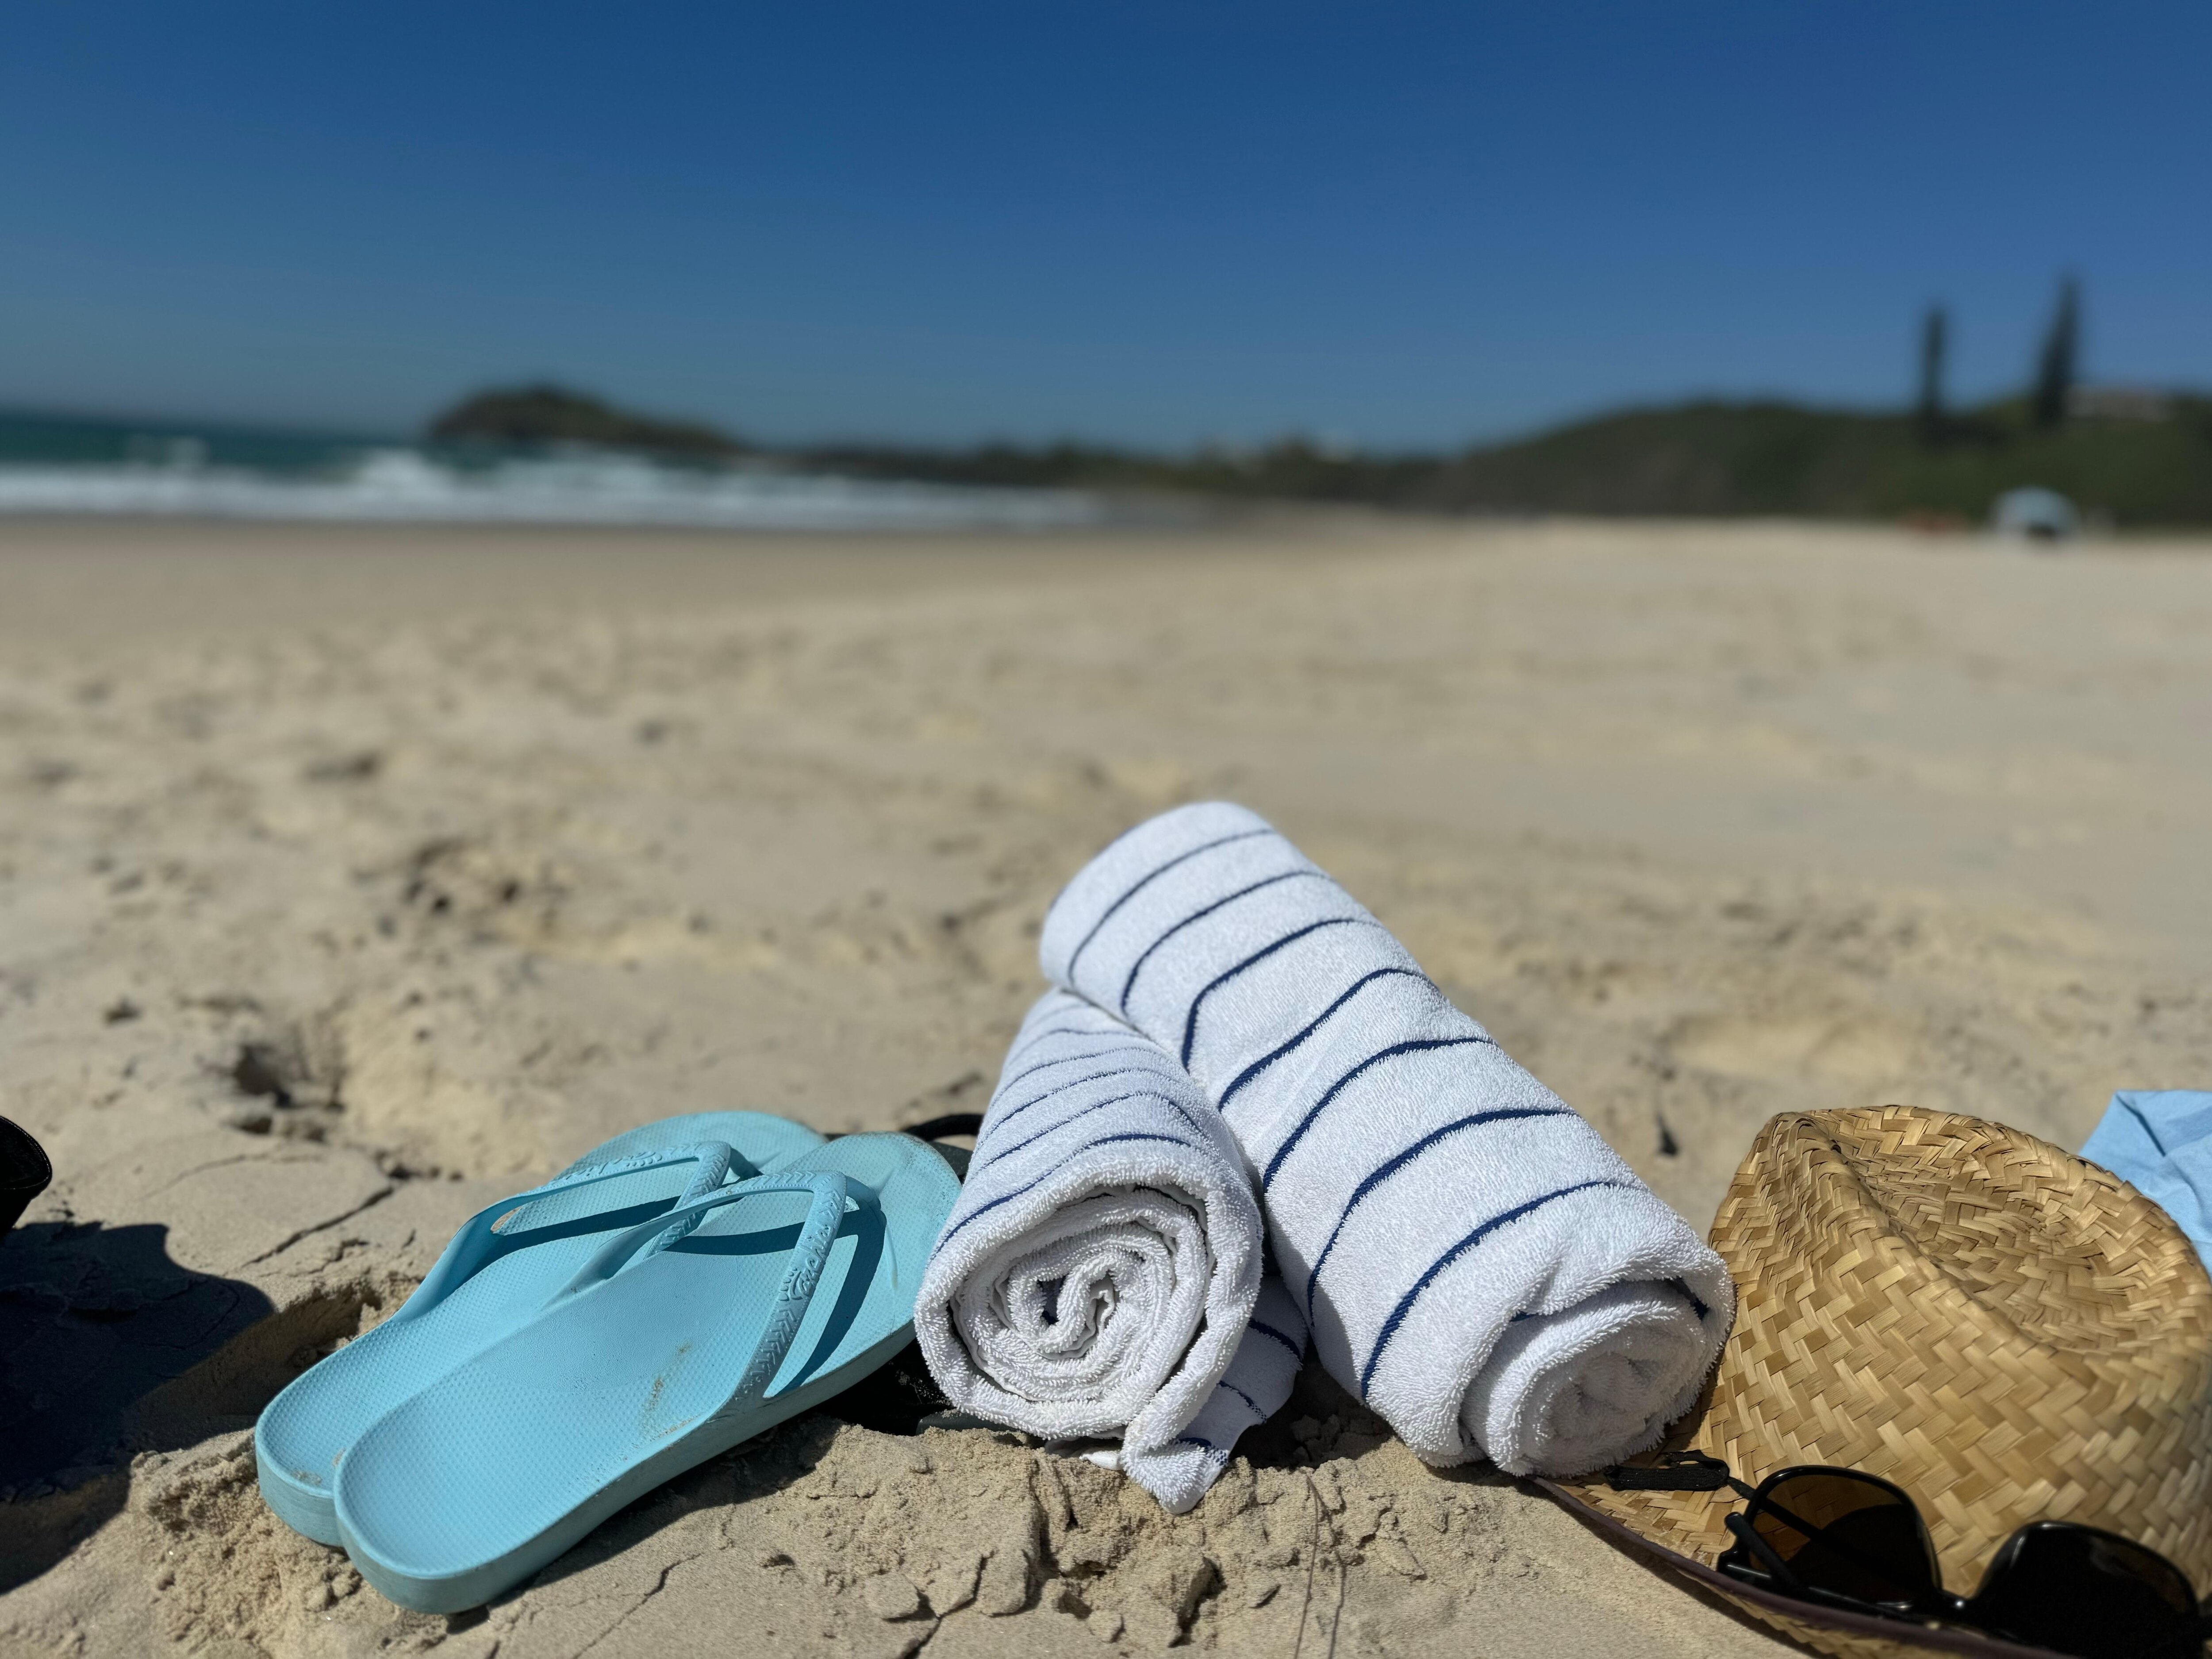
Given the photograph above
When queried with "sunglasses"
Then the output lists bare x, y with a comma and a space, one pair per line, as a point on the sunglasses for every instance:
1839, 1539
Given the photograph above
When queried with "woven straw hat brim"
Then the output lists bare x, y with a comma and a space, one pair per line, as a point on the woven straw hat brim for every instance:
1828, 1630
2009, 1334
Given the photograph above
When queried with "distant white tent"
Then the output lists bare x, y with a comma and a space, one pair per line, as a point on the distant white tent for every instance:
2037, 514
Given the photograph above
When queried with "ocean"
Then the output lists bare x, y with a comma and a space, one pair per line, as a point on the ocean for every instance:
69, 465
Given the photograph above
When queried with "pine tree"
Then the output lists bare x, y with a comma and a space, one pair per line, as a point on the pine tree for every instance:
2054, 368
1934, 330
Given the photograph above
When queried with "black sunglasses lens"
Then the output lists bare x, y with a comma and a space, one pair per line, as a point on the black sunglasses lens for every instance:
2077, 1591
1849, 1535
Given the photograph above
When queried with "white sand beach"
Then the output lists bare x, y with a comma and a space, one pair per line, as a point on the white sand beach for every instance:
350, 879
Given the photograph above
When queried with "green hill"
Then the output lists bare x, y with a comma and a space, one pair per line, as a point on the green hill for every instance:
1708, 459
551, 414
1757, 458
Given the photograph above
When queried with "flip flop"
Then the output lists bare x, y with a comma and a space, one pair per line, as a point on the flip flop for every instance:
791, 1288
499, 1271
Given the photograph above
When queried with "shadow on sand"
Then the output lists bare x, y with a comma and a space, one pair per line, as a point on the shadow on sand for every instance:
104, 1350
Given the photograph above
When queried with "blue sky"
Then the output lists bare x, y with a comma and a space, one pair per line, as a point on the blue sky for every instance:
1396, 225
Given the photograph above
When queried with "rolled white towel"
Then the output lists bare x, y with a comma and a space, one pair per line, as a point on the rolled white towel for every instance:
1475, 1262
1099, 1276
1252, 1391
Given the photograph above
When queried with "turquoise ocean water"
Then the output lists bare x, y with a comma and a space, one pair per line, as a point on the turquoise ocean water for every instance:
71, 465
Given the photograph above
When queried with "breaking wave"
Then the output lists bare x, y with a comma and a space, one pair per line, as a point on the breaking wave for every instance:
403, 485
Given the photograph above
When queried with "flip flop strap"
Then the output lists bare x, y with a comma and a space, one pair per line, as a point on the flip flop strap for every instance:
475, 1244
802, 1275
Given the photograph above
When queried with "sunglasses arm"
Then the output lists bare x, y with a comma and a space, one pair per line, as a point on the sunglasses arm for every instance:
1747, 1536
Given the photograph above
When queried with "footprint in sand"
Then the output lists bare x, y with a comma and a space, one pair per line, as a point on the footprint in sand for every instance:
1853, 1048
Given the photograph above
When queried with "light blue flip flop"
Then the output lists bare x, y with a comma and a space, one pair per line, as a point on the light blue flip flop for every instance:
791, 1288
499, 1272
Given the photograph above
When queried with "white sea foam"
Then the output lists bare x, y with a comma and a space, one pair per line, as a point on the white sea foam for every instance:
404, 485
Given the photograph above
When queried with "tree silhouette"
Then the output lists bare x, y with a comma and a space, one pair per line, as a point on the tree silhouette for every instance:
2055, 366
1935, 332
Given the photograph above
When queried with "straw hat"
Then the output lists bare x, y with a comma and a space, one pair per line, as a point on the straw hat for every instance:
2008, 1333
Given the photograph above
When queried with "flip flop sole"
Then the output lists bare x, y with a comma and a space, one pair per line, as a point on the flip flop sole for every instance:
303, 1432
451, 1592
492, 1473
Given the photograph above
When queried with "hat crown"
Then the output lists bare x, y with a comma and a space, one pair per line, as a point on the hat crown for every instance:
2067, 1257
2008, 1333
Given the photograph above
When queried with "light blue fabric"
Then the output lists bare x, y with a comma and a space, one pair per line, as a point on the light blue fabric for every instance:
2160, 1142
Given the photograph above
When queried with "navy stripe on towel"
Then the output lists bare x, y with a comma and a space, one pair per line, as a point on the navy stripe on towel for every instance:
1059, 1088
1031, 1186
1117, 1048
996, 1153
1135, 1134
981, 1209
1211, 1450
1035, 1037
1199, 914
1417, 1045
1297, 1349
1241, 1394
1406, 1301
1107, 914
1190, 1021
1504, 1115
1273, 1055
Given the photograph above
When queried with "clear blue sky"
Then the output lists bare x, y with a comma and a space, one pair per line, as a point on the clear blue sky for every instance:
1395, 224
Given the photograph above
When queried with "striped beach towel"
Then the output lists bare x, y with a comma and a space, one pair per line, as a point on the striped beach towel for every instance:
1476, 1264
1102, 1275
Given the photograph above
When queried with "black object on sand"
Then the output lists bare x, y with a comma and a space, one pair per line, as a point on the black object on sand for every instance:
24, 1172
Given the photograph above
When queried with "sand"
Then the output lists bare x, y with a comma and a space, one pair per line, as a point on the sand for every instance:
350, 879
